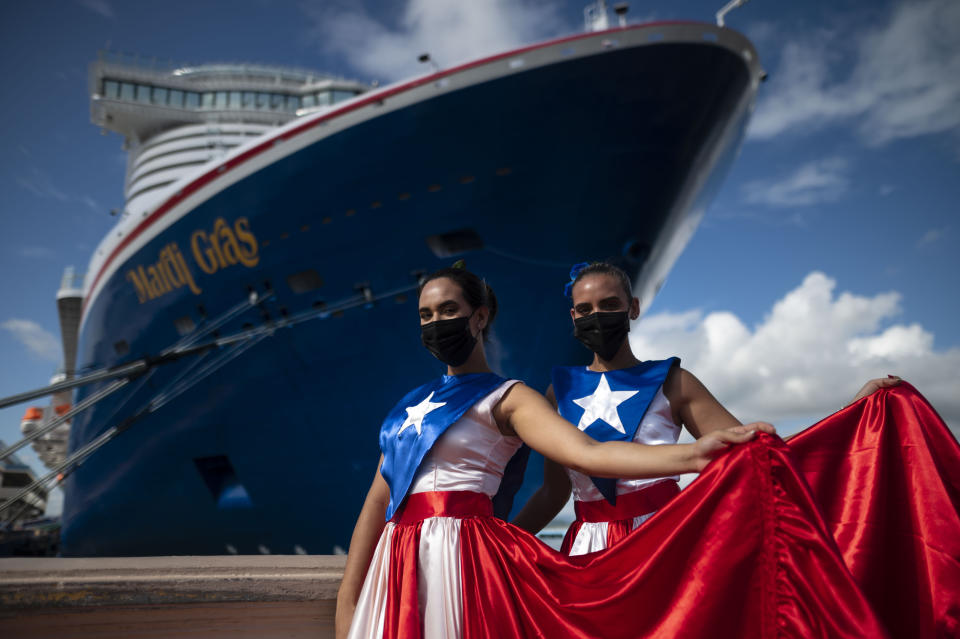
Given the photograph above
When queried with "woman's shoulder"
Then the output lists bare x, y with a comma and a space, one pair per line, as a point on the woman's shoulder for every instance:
515, 394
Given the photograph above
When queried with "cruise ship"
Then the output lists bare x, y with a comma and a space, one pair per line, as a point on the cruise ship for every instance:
261, 277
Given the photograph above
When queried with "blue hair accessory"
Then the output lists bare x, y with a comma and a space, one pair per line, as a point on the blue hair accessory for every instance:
574, 271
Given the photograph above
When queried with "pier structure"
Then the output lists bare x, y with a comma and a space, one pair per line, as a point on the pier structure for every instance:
256, 597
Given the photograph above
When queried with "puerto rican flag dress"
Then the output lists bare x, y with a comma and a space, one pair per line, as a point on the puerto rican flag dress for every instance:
744, 551
623, 405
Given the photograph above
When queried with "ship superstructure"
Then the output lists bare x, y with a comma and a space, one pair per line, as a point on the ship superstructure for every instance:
175, 118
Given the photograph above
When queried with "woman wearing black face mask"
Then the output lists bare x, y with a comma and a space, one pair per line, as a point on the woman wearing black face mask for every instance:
425, 540
647, 402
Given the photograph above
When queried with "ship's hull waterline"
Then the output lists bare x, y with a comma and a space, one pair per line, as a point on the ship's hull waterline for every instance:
610, 154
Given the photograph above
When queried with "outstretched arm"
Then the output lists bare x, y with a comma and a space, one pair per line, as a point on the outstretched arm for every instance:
552, 495
531, 417
366, 534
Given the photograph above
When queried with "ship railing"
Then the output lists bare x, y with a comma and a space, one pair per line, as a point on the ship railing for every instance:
159, 65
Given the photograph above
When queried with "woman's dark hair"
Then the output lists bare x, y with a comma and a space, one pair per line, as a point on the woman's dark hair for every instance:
605, 268
476, 291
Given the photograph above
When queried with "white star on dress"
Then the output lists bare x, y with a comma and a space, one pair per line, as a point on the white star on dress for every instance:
415, 414
602, 405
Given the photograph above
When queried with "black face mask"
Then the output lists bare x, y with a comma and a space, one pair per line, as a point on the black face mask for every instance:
602, 333
449, 340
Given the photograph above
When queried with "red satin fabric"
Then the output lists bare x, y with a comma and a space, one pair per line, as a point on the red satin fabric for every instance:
742, 552
619, 516
851, 530
885, 473
451, 503
403, 604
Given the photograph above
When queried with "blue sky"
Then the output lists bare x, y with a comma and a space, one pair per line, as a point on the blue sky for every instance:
827, 258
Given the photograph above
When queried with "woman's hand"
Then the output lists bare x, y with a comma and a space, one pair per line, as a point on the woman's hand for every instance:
875, 385
715, 442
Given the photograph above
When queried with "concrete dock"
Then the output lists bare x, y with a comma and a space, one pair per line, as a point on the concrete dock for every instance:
263, 596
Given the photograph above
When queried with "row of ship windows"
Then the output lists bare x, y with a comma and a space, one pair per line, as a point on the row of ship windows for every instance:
248, 100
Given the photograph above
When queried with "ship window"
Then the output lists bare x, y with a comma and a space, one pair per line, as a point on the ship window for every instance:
206, 100
234, 99
340, 96
127, 91
143, 93
276, 101
455, 242
323, 98
192, 100
176, 97
249, 99
159, 95
263, 100
222, 481
221, 99
293, 103
309, 101
111, 89
304, 281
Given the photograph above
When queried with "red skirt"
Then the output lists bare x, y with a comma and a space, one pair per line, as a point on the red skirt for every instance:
621, 518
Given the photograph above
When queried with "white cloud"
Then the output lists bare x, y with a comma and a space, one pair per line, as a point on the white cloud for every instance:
808, 356
813, 183
905, 79
931, 236
762, 32
101, 7
91, 203
40, 184
39, 252
37, 340
451, 32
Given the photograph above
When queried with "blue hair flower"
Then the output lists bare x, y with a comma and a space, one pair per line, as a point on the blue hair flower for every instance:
574, 271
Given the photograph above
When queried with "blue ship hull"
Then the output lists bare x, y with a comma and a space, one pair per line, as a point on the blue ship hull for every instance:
604, 156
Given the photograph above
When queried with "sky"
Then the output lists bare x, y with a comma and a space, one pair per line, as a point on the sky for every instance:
827, 258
